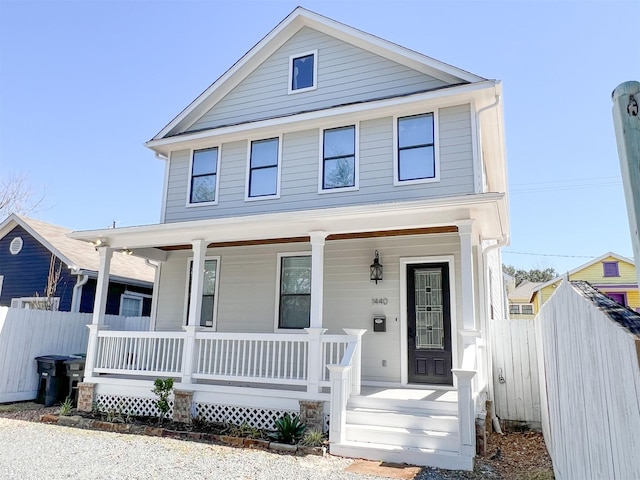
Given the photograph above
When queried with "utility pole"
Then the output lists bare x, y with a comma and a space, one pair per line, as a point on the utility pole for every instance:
626, 122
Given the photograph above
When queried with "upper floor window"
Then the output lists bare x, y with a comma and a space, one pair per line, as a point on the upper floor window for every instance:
263, 178
415, 158
204, 176
339, 168
303, 72
611, 269
294, 306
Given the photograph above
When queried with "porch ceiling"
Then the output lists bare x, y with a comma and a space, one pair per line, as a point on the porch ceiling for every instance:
486, 210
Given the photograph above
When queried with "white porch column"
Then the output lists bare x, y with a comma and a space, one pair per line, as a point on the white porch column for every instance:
317, 277
465, 230
102, 286
99, 307
199, 248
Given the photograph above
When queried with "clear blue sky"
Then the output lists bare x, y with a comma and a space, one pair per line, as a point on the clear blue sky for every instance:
84, 84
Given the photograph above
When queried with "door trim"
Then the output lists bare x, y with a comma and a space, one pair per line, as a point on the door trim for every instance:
404, 362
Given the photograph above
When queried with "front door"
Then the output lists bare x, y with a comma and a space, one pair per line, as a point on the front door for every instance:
429, 324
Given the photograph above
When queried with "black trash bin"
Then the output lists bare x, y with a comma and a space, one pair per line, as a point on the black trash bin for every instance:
53, 386
75, 374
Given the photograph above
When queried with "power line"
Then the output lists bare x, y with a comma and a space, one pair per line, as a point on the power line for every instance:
550, 255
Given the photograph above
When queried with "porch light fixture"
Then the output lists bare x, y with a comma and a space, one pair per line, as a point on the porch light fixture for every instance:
126, 251
376, 269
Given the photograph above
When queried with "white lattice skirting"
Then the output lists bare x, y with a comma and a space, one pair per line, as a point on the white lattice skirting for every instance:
130, 405
256, 417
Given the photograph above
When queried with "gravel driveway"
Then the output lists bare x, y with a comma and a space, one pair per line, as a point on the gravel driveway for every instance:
40, 451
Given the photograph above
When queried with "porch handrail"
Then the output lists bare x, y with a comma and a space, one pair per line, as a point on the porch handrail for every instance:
345, 381
467, 393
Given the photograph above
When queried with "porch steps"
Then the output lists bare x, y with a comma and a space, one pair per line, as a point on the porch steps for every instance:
403, 430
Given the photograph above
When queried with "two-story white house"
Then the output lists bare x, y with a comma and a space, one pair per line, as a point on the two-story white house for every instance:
332, 216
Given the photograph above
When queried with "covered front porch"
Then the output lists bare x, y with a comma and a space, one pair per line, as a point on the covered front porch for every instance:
217, 327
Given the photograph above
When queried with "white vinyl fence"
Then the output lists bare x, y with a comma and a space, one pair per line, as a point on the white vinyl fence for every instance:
515, 371
26, 334
591, 383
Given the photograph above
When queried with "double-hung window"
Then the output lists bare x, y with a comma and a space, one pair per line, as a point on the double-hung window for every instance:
131, 305
303, 72
339, 167
209, 289
263, 178
295, 292
204, 176
415, 159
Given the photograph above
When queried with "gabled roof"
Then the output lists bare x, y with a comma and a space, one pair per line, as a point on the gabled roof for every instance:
523, 292
76, 253
296, 20
582, 267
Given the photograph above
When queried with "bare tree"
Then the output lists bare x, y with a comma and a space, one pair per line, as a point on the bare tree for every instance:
17, 196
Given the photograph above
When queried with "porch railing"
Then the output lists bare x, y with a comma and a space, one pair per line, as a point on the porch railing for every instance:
286, 359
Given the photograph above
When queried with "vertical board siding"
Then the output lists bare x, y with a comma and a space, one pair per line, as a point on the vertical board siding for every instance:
591, 389
26, 334
346, 74
300, 171
515, 358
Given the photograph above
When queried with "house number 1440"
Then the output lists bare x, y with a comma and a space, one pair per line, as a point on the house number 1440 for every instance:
379, 301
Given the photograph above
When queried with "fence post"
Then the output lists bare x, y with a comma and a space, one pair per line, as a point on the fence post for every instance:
355, 335
315, 363
339, 376
188, 353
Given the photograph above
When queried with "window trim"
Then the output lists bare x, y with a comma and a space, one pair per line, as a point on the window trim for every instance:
279, 256
247, 186
356, 173
290, 90
520, 305
134, 296
436, 150
604, 269
192, 152
185, 313
21, 301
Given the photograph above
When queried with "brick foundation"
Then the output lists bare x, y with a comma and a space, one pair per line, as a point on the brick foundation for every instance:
182, 401
85, 396
312, 414
483, 428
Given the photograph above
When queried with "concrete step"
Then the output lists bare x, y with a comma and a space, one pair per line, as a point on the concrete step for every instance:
450, 460
408, 418
402, 437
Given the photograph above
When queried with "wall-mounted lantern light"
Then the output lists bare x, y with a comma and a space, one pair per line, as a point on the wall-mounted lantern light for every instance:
376, 269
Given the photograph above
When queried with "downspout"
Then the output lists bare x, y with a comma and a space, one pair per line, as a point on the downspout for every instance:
77, 291
154, 297
495, 421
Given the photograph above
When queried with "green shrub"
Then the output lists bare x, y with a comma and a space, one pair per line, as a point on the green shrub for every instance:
288, 429
313, 438
162, 388
66, 407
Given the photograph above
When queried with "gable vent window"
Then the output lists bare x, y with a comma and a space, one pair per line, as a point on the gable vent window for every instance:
611, 269
204, 176
16, 246
303, 72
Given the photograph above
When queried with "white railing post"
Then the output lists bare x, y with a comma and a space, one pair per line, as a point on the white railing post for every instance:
188, 352
314, 364
355, 335
339, 375
466, 402
92, 349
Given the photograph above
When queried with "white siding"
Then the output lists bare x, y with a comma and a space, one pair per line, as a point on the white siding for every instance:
248, 286
300, 159
346, 74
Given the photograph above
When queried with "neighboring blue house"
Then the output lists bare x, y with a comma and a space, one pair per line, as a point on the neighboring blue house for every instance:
30, 248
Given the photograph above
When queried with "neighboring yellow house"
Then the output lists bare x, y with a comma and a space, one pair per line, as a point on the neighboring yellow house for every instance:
612, 274
520, 306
